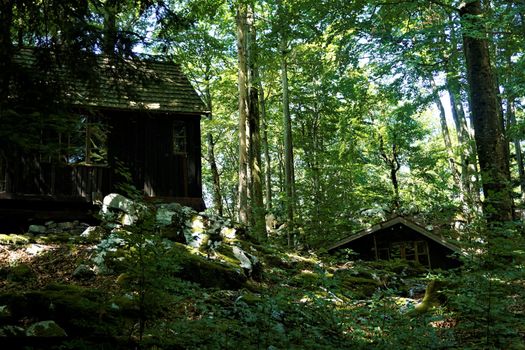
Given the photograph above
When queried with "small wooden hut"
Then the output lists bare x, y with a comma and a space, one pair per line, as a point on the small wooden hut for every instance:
134, 122
400, 238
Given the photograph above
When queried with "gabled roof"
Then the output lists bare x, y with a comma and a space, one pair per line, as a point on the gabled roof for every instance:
389, 223
129, 84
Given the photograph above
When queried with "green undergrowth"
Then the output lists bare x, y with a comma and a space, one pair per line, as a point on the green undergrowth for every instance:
158, 294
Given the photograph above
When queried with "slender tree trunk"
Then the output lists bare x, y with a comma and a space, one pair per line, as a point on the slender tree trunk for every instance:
266, 149
289, 182
288, 145
258, 215
490, 138
446, 139
217, 197
243, 112
394, 166
511, 117
316, 172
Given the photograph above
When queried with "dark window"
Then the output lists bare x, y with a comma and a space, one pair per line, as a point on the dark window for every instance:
397, 250
403, 250
179, 137
410, 250
422, 253
83, 140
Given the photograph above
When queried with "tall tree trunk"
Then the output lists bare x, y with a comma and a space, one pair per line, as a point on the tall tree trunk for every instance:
243, 112
288, 145
488, 127
468, 153
315, 167
217, 196
266, 149
257, 203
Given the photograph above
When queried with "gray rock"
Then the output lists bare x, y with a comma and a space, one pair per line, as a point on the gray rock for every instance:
164, 216
35, 249
37, 229
83, 272
117, 207
242, 257
45, 329
196, 235
251, 265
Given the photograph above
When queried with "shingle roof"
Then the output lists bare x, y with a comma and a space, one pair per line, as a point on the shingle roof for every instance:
389, 223
125, 85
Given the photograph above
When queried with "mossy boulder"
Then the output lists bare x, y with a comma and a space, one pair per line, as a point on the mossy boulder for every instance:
276, 260
207, 273
307, 279
80, 310
173, 233
45, 329
360, 287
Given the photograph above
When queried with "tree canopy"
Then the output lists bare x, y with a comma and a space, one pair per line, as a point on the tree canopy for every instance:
326, 116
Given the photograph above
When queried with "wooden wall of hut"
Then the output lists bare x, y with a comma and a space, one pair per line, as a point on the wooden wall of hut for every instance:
144, 145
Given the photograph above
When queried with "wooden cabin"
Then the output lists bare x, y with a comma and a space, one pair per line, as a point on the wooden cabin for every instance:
135, 122
400, 238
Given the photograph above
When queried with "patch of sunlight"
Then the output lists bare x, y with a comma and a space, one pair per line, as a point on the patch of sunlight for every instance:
197, 224
145, 105
31, 251
229, 232
305, 299
405, 304
297, 258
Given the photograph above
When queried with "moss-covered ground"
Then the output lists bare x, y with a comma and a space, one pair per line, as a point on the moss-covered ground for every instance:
181, 298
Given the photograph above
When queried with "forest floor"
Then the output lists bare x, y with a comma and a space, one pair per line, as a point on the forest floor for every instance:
189, 300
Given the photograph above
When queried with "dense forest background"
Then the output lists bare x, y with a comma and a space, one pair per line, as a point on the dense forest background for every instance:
324, 116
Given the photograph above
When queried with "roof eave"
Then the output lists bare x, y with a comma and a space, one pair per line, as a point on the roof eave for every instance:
390, 223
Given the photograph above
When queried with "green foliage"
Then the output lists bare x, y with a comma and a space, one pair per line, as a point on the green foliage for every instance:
363, 79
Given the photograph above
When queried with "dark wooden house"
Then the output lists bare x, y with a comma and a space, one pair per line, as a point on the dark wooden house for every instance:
130, 122
400, 238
